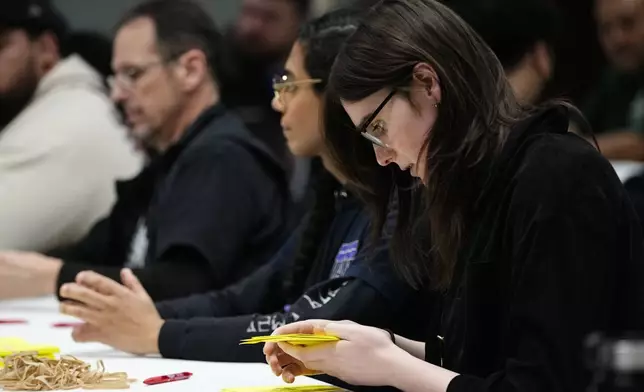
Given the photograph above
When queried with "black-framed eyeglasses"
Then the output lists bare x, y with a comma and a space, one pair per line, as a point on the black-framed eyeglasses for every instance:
364, 127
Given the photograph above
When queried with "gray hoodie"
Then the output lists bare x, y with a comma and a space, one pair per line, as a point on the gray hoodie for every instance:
59, 159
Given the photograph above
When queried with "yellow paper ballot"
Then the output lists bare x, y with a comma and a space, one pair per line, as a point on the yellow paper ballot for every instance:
11, 346
294, 339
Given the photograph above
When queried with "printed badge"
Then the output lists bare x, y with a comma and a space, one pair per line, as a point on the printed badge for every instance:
343, 259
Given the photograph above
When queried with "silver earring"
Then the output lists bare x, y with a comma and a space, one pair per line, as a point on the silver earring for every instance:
436, 105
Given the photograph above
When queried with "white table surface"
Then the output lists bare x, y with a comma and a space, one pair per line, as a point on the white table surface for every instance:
627, 169
41, 313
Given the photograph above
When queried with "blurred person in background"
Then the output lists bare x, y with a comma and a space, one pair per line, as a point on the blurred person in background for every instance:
61, 144
257, 45
521, 34
211, 205
615, 109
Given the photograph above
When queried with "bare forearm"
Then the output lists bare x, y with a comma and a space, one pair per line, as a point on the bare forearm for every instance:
415, 375
25, 291
622, 145
27, 275
416, 349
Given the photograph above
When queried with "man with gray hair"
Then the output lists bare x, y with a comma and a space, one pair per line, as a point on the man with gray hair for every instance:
213, 203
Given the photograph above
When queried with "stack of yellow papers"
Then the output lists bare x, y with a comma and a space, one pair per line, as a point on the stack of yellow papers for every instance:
293, 339
289, 388
11, 346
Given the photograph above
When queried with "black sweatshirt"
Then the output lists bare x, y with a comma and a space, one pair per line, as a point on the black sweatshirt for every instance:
556, 255
215, 206
349, 280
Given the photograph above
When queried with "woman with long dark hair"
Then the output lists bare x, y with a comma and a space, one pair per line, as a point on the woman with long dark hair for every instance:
534, 243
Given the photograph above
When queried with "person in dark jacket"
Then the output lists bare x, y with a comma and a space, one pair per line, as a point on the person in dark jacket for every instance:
327, 269
615, 106
211, 206
535, 245
256, 46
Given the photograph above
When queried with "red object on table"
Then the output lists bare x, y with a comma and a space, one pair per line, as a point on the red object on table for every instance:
9, 321
167, 378
66, 325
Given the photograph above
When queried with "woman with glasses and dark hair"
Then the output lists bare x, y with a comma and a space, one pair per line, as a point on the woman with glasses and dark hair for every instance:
534, 243
327, 269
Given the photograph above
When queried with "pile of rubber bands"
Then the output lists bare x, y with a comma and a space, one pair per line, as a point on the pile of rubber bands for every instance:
28, 372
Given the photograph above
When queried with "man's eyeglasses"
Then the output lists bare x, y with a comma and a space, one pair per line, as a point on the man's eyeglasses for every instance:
284, 84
